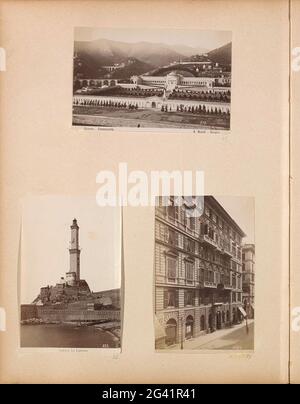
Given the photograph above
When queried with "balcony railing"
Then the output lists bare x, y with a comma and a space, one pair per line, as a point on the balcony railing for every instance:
226, 251
206, 239
208, 284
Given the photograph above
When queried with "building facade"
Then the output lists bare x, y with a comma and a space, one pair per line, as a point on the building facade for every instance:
173, 80
172, 92
198, 272
248, 257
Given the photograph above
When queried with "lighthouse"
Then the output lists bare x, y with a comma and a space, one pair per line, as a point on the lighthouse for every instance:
73, 276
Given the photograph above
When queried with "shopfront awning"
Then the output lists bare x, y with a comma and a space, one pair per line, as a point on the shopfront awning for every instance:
242, 311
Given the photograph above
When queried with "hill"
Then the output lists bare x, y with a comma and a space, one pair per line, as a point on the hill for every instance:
138, 57
133, 67
221, 55
106, 52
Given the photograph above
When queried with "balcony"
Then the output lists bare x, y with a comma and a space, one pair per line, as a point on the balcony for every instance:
204, 238
211, 285
226, 251
226, 284
219, 248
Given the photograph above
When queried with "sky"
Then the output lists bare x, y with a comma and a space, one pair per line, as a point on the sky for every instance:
46, 236
196, 38
241, 209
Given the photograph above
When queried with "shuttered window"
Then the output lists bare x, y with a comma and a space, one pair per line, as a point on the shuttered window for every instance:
171, 267
170, 298
189, 271
188, 298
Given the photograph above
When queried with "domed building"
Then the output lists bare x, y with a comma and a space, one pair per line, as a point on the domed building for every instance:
173, 79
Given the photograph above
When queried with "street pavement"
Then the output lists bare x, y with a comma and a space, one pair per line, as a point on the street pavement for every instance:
236, 338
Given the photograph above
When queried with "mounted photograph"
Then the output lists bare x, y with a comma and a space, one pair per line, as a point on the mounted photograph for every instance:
204, 272
146, 79
70, 290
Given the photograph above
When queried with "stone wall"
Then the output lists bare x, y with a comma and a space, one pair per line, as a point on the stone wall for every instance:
50, 314
28, 311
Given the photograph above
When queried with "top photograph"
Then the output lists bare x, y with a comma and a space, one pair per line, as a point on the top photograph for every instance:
152, 79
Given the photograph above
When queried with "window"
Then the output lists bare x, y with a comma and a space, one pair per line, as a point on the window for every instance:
233, 266
201, 273
233, 250
205, 253
204, 228
170, 299
172, 237
188, 298
181, 215
217, 238
171, 267
192, 223
189, 271
189, 245
173, 211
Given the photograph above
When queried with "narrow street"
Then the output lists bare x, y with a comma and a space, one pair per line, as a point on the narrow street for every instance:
235, 338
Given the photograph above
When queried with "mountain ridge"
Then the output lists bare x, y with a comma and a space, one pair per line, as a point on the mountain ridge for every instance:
92, 56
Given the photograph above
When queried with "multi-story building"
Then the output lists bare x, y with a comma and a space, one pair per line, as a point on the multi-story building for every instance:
198, 271
173, 80
248, 259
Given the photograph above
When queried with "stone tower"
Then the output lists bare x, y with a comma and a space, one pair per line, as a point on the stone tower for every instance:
75, 250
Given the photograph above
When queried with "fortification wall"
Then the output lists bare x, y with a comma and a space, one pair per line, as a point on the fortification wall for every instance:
28, 311
49, 314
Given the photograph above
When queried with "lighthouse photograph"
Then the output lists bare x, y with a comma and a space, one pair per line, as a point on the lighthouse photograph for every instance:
70, 274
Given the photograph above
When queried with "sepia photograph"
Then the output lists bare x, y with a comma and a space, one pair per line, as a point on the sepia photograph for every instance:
155, 79
205, 274
70, 274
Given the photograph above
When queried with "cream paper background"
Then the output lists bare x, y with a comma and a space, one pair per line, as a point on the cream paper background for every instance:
295, 195
42, 154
